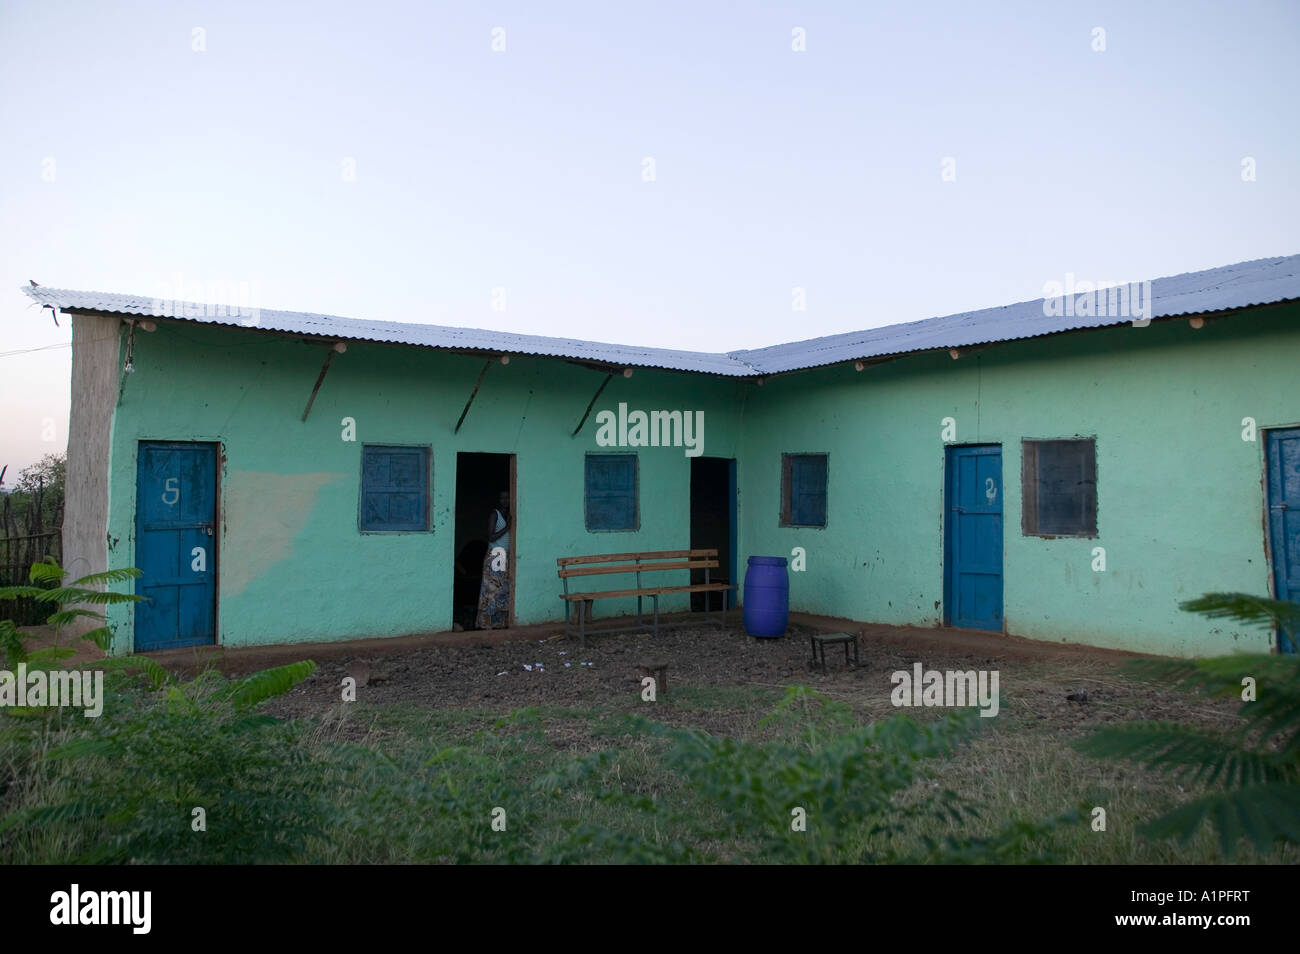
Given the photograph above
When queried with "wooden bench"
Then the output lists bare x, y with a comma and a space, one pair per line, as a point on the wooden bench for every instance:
607, 564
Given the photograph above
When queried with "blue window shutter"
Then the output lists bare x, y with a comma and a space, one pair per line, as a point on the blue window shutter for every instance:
808, 490
394, 488
611, 492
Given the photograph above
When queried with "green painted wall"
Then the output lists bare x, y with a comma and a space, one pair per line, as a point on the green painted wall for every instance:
292, 564
1180, 497
1180, 494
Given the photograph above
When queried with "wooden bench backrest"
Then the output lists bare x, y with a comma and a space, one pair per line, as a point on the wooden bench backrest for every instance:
634, 562
627, 557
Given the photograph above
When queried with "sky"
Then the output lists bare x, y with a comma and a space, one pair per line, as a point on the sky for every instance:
698, 175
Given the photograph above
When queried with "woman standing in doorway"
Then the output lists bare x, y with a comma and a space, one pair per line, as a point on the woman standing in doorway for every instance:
494, 594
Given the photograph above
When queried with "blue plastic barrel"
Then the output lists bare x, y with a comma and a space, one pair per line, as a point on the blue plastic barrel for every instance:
767, 596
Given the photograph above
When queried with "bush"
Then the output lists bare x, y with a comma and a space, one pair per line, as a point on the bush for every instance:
1256, 766
827, 792
152, 759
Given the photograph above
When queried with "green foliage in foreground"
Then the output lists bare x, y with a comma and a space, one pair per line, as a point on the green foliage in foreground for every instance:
812, 785
190, 772
824, 791
120, 787
1254, 610
123, 788
48, 586
1254, 769
132, 779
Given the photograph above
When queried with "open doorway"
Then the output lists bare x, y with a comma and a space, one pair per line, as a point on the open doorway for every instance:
480, 480
713, 523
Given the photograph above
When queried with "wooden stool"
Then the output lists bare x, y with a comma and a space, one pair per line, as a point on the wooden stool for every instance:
658, 671
819, 640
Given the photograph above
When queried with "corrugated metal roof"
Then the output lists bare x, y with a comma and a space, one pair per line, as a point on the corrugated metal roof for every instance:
354, 329
1263, 281
1260, 282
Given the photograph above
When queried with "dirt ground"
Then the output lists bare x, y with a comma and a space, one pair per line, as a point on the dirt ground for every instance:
1049, 685
1054, 685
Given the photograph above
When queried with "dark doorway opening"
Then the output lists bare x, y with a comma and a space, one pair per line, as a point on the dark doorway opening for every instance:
480, 478
713, 523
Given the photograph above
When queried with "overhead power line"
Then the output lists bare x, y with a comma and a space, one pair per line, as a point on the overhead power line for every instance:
62, 344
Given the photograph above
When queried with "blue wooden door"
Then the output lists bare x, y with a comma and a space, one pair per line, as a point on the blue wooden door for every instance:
972, 553
1283, 451
175, 544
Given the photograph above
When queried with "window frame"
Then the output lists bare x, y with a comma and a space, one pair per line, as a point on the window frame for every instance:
636, 493
1030, 525
427, 471
786, 518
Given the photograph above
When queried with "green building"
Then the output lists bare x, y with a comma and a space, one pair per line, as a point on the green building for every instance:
1067, 469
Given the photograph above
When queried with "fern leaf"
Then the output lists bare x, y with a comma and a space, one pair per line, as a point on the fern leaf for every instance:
101, 637
250, 722
51, 654
77, 594
1264, 814
64, 617
46, 571
1274, 720
1185, 750
85, 748
157, 674
1246, 608
26, 712
123, 575
179, 702
50, 815
1216, 674
11, 643
269, 683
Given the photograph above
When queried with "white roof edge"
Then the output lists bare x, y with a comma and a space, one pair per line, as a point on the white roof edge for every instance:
1259, 282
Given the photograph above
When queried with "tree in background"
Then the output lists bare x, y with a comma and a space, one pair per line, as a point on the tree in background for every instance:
35, 505
31, 518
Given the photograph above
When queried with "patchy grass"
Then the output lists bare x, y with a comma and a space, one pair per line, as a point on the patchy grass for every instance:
417, 777
1022, 769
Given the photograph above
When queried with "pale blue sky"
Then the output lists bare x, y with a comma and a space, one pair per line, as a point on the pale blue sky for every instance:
523, 169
